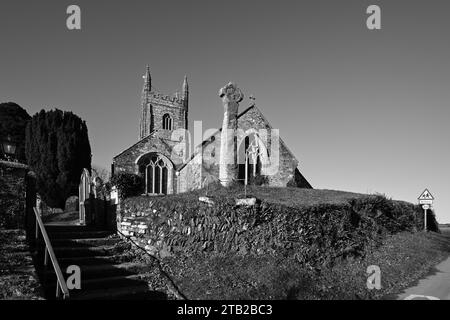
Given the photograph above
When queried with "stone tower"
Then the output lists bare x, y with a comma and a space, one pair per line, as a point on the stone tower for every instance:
162, 113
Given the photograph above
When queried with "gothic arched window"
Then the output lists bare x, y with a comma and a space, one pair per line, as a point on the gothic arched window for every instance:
167, 122
249, 154
155, 170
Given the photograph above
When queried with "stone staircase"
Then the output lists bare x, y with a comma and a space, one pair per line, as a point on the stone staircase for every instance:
108, 270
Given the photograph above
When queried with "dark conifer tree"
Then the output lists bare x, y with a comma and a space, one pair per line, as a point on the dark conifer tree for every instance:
57, 149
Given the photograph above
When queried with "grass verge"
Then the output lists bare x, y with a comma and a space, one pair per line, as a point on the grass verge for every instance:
403, 259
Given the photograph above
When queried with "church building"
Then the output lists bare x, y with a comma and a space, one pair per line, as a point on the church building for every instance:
162, 154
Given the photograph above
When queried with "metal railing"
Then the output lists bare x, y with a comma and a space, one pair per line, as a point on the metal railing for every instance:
61, 286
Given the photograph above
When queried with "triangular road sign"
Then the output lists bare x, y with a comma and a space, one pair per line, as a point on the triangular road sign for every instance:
426, 195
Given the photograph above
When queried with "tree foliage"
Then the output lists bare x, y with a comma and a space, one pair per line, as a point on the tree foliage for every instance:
102, 173
128, 184
57, 149
13, 121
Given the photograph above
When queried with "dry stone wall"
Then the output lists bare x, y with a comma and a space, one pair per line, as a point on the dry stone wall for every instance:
12, 196
317, 234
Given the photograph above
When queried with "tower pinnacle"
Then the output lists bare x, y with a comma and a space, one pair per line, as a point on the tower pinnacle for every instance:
185, 92
185, 85
148, 80
145, 122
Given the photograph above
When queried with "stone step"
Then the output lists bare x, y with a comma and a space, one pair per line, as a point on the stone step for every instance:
109, 283
104, 270
79, 235
92, 260
69, 228
73, 252
138, 292
88, 242
107, 270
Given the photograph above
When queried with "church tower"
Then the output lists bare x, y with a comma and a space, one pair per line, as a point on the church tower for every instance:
160, 113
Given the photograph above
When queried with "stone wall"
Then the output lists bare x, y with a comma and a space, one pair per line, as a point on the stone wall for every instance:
18, 277
170, 225
315, 233
12, 194
190, 177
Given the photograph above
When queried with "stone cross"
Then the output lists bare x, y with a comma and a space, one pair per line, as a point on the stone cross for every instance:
228, 170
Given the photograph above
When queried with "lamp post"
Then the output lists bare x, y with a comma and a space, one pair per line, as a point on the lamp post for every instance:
9, 149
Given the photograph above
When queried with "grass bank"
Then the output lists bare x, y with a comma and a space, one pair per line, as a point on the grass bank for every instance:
403, 259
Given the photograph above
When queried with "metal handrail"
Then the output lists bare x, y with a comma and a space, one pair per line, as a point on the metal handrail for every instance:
60, 282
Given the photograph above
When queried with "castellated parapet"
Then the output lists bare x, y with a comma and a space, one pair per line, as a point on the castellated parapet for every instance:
171, 101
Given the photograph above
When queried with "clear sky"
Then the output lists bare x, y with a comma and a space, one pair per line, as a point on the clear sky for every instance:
363, 111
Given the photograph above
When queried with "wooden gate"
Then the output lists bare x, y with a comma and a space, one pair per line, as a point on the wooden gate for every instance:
84, 193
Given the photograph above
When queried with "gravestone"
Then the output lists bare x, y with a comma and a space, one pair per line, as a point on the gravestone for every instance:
98, 188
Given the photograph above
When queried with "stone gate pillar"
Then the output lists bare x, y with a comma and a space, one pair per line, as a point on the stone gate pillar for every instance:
228, 169
30, 203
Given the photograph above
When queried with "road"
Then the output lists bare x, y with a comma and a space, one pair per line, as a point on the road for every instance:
434, 286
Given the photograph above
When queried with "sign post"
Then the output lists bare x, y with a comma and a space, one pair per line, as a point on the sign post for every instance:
426, 200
